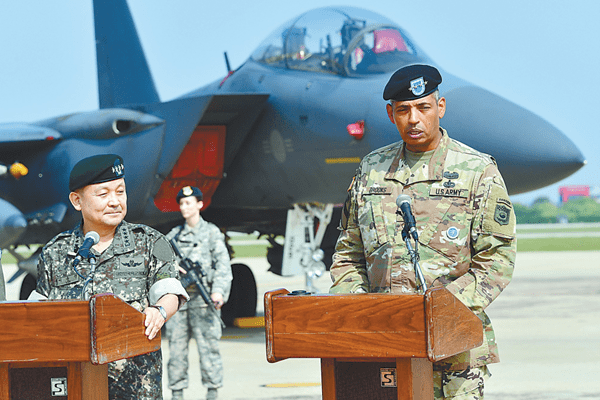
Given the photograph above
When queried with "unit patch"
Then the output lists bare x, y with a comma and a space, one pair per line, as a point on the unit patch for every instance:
502, 214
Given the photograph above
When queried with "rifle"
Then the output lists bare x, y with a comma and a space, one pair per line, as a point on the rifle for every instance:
192, 278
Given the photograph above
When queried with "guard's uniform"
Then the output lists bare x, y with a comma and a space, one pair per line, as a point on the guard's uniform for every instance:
466, 228
138, 266
204, 244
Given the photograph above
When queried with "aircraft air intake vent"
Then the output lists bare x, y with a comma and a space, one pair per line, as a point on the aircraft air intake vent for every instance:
121, 126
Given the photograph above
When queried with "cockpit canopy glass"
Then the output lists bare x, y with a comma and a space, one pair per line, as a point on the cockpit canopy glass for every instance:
338, 40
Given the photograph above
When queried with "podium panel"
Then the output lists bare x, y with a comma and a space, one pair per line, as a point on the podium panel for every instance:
372, 346
42, 383
60, 349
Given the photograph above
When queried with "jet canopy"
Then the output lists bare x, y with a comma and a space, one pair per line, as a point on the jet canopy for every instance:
345, 41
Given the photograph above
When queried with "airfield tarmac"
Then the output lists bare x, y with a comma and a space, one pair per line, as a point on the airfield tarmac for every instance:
547, 325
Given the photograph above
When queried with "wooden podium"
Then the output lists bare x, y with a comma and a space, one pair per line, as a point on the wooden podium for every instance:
60, 349
371, 346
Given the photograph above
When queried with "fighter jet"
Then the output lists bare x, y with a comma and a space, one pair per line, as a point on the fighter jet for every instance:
273, 144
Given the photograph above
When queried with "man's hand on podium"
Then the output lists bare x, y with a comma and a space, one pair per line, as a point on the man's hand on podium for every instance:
154, 319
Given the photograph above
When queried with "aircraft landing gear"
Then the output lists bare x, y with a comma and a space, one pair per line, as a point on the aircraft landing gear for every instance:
302, 253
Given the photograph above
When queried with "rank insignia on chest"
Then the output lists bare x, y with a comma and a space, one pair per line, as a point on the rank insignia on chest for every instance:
379, 190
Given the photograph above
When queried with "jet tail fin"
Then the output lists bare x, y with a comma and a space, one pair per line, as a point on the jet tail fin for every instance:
123, 73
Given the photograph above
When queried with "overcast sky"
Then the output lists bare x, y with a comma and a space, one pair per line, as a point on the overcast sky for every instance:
542, 55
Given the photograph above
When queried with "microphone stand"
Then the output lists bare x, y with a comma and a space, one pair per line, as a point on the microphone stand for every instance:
84, 294
414, 256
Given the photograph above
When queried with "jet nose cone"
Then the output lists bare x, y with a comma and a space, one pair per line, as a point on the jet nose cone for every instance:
530, 152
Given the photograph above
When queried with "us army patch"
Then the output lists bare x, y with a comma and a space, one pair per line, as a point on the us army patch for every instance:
379, 190
502, 214
449, 192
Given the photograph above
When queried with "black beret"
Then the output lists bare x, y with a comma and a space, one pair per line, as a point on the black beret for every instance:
96, 169
188, 191
412, 82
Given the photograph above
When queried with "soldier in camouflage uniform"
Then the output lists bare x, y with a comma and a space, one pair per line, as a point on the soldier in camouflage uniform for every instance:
202, 243
464, 218
134, 262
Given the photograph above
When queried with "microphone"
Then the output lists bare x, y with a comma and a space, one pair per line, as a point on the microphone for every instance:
91, 238
403, 203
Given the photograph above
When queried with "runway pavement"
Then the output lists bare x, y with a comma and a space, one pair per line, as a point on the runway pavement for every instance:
547, 324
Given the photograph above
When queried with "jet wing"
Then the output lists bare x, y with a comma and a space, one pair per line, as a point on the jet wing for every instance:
14, 135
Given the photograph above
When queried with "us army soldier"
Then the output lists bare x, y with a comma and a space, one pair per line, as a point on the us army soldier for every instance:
203, 244
464, 218
134, 262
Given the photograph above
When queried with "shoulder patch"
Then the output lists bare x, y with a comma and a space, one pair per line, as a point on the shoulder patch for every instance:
502, 214
162, 250
499, 217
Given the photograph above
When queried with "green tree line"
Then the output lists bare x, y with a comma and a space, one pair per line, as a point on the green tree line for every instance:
543, 211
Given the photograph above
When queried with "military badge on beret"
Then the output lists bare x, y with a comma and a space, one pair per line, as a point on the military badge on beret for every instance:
412, 82
188, 191
417, 86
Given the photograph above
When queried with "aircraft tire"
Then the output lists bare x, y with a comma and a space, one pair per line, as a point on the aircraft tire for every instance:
243, 296
29, 284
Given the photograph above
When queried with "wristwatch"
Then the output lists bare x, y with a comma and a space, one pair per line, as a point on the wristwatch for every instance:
161, 310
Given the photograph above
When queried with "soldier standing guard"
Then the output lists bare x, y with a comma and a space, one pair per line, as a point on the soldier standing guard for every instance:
134, 262
204, 245
464, 219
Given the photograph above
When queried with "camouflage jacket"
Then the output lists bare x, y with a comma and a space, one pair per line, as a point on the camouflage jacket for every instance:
466, 227
137, 258
205, 245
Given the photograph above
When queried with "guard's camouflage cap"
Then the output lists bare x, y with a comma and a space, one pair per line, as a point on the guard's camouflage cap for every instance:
188, 191
96, 169
412, 82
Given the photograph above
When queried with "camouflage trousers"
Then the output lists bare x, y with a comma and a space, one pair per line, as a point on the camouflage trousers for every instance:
138, 377
205, 328
460, 385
